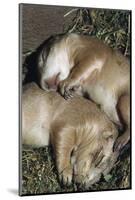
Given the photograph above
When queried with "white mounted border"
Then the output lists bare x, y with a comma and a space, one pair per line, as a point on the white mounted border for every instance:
9, 98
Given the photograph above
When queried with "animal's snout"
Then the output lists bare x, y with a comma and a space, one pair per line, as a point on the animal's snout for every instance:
51, 83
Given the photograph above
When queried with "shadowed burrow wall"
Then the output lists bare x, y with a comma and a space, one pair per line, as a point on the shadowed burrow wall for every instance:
40, 22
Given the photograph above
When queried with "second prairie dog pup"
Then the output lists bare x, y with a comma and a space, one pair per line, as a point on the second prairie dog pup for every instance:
81, 135
77, 62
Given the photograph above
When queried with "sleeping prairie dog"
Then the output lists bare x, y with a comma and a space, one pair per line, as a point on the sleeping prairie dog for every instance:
81, 135
73, 63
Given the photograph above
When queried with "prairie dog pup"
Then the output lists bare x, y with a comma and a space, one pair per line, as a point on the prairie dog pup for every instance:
75, 62
81, 135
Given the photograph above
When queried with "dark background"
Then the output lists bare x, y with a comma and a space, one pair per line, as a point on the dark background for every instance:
40, 22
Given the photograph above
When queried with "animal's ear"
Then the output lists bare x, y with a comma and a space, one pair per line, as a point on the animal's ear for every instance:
108, 135
43, 52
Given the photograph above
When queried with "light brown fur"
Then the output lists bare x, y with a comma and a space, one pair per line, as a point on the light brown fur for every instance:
93, 69
81, 135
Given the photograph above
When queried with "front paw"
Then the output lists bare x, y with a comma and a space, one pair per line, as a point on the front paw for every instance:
68, 87
65, 176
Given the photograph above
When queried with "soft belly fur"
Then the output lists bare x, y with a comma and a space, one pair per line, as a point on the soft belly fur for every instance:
81, 135
76, 63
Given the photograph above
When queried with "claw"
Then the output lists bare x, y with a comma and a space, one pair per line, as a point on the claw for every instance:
118, 146
66, 177
120, 143
67, 88
68, 94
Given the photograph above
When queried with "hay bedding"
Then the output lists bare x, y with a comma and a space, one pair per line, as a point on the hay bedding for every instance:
39, 174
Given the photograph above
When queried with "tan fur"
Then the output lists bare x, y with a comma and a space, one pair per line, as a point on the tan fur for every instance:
124, 110
92, 67
81, 135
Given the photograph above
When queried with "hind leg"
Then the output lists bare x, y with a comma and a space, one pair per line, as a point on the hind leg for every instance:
124, 113
111, 111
